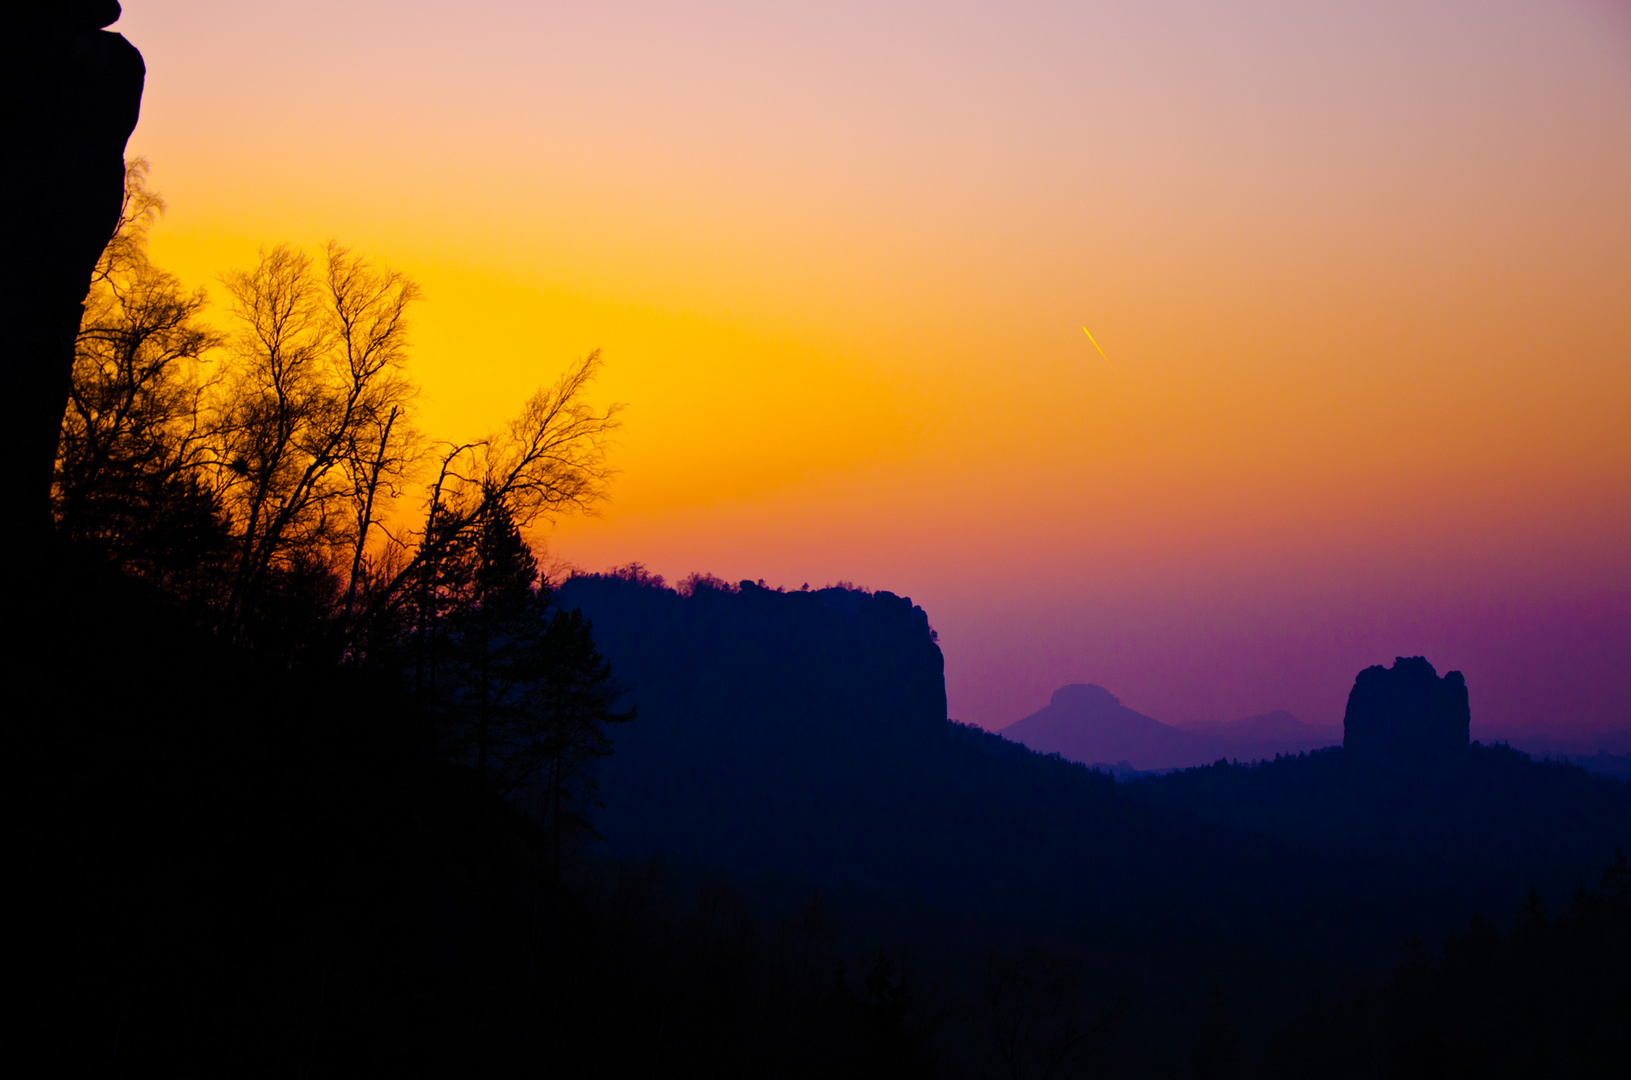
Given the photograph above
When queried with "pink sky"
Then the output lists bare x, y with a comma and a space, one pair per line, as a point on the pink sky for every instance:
1362, 272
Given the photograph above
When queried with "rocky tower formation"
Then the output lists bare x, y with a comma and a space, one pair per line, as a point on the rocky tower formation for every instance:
72, 93
1406, 715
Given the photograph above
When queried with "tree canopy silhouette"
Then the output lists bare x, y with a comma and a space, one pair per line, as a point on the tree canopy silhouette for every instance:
134, 458
258, 475
259, 472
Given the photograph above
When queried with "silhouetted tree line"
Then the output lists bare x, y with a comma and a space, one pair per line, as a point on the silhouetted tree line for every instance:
823, 712
235, 869
242, 873
260, 477
1482, 804
802, 733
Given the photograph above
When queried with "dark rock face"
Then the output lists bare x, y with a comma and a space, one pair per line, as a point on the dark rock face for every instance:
767, 721
1406, 715
72, 94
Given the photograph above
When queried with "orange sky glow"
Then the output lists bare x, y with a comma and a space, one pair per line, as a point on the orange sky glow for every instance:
1361, 273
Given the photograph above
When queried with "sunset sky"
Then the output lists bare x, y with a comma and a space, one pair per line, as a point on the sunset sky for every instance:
1361, 273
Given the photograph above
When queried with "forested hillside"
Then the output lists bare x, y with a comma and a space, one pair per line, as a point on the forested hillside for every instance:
799, 733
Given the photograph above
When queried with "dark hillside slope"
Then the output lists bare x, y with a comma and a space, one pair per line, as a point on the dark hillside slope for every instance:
239, 869
1491, 803
1408, 781
800, 736
804, 734
1484, 822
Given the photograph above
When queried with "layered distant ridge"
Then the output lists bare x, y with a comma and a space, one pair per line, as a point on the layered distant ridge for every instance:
1089, 724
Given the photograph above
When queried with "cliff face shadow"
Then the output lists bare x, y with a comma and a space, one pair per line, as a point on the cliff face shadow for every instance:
73, 94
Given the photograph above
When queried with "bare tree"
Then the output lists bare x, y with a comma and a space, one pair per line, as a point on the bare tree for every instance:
550, 460
289, 455
317, 423
381, 444
134, 446
126, 253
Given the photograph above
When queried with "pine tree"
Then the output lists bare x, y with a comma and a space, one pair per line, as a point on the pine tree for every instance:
560, 732
503, 572
131, 479
530, 697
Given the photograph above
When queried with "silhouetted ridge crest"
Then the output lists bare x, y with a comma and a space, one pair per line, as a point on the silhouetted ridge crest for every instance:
854, 659
1406, 715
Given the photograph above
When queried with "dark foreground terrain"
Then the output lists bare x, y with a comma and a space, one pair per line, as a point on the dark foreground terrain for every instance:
238, 865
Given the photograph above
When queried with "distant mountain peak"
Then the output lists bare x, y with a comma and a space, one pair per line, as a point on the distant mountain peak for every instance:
1087, 723
1080, 695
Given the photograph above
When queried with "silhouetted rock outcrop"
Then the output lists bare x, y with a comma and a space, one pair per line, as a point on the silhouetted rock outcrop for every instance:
760, 712
1406, 715
72, 96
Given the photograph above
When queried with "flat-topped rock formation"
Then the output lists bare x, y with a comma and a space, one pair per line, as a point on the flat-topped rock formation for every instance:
1407, 715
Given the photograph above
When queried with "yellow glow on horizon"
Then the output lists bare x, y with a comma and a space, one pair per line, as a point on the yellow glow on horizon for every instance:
833, 279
